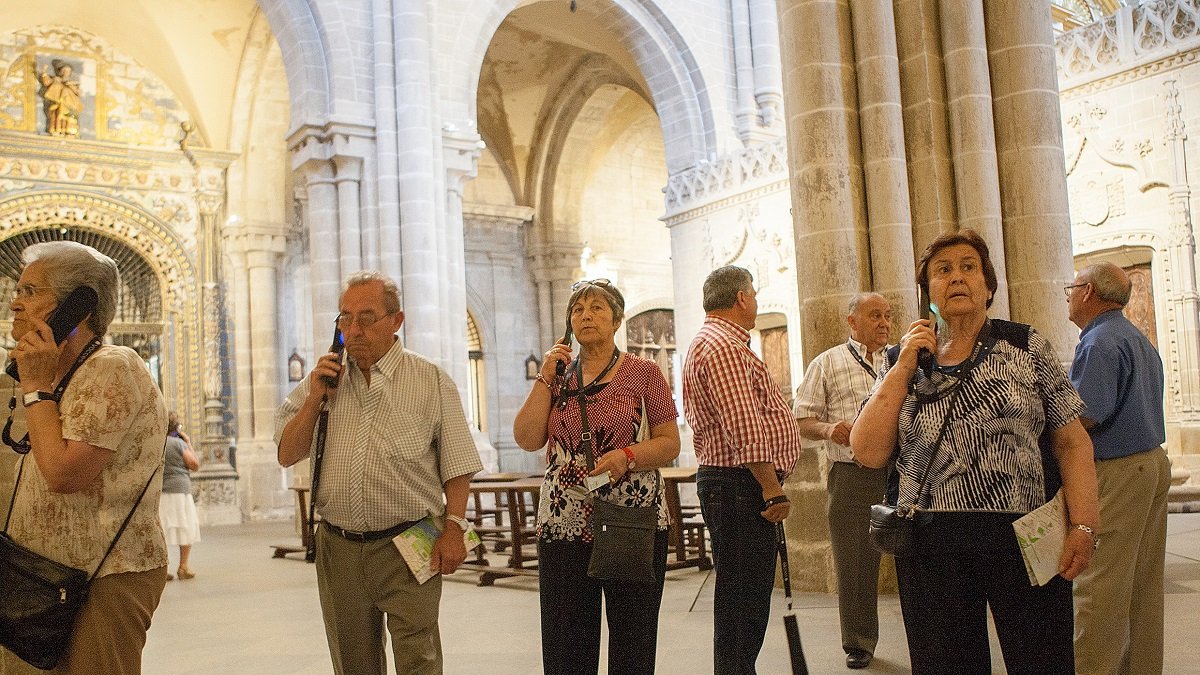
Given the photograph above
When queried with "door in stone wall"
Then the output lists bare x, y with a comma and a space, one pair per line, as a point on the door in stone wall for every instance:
775, 355
651, 335
1140, 309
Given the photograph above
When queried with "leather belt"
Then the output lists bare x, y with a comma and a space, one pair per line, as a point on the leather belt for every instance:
362, 537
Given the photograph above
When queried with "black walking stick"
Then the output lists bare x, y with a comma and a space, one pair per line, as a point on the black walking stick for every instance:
799, 666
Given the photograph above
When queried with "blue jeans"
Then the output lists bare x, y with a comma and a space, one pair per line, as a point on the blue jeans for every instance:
743, 544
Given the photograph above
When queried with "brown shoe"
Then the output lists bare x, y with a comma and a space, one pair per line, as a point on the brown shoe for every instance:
185, 573
170, 577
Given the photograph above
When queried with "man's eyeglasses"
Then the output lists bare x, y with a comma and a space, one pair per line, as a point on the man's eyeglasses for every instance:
364, 320
26, 291
1067, 289
593, 282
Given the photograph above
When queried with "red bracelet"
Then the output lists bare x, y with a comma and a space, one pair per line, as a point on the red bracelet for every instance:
629, 458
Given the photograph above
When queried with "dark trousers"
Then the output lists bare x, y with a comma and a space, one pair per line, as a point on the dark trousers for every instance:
852, 491
963, 564
743, 544
570, 602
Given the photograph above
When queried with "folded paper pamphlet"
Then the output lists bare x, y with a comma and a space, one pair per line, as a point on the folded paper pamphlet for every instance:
1041, 534
416, 545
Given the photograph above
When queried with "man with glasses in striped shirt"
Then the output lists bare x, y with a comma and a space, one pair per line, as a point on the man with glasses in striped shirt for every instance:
398, 450
746, 444
835, 384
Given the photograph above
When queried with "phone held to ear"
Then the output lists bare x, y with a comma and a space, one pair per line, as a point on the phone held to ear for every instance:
566, 340
65, 318
338, 347
924, 311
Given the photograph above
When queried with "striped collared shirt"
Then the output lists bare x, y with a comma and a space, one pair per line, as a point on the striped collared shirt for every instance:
734, 408
834, 387
391, 445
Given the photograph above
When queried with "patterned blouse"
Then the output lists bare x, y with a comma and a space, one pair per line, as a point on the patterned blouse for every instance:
614, 414
111, 403
989, 459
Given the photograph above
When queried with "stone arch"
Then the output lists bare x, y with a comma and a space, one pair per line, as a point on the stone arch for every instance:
154, 242
677, 89
305, 49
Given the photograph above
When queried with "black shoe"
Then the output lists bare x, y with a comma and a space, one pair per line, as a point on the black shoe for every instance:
858, 659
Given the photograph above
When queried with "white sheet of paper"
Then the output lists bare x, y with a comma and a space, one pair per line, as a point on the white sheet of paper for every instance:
596, 482
1041, 534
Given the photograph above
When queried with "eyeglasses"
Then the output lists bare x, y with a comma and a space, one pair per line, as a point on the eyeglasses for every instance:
1067, 289
26, 291
364, 320
593, 282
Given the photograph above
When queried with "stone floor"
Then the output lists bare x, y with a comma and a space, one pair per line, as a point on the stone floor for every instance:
248, 613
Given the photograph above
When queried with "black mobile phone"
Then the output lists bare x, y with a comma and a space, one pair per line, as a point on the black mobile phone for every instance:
566, 340
924, 311
71, 312
338, 347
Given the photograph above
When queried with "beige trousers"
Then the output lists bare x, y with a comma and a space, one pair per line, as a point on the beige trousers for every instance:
1119, 598
361, 583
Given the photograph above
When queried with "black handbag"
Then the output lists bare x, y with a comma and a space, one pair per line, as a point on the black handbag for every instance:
622, 536
39, 597
892, 528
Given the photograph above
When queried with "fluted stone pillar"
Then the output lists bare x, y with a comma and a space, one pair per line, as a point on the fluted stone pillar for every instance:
1032, 172
321, 217
418, 193
348, 178
768, 78
460, 156
926, 129
972, 132
829, 213
884, 166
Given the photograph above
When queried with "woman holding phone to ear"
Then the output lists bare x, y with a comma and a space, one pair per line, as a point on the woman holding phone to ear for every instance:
93, 446
965, 441
621, 390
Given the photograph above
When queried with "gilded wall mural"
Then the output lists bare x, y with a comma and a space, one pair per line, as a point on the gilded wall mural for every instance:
60, 81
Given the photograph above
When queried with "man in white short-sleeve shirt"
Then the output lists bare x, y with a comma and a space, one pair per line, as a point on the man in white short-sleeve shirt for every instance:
834, 387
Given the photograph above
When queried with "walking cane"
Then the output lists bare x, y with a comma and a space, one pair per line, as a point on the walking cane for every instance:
799, 666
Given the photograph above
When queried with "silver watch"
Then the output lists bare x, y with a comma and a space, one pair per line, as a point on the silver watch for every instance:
463, 523
35, 396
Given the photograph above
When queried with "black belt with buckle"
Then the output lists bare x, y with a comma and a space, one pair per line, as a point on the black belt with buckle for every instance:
362, 537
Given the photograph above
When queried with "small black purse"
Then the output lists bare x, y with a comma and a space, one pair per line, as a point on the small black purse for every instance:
622, 536
40, 598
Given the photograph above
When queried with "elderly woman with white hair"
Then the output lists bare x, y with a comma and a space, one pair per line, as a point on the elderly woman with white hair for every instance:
91, 451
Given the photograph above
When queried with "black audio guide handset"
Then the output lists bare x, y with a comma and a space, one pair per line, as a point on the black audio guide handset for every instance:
561, 368
338, 347
71, 312
924, 311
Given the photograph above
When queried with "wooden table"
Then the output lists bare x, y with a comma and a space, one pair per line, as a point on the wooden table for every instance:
678, 541
511, 497
306, 528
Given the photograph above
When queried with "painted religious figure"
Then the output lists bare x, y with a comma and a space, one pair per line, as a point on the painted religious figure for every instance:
61, 98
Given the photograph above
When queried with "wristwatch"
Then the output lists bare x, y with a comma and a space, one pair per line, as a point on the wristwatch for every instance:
629, 459
34, 396
462, 523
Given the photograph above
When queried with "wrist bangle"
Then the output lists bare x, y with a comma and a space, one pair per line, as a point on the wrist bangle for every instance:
1091, 533
780, 499
542, 379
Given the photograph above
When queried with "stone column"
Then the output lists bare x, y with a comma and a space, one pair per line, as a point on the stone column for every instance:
418, 194
972, 132
461, 150
743, 61
1183, 299
768, 78
1031, 167
829, 214
884, 165
347, 177
387, 167
321, 217
216, 481
926, 130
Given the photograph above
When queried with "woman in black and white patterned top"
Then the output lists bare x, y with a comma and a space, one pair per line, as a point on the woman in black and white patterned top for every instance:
996, 386
621, 391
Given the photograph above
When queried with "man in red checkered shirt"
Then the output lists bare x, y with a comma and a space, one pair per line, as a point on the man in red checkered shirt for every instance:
746, 443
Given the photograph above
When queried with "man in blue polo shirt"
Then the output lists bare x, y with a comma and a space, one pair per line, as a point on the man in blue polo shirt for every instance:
1119, 598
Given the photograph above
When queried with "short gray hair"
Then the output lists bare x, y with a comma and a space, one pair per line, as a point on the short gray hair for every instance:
70, 265
1109, 281
391, 292
860, 298
722, 286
